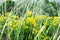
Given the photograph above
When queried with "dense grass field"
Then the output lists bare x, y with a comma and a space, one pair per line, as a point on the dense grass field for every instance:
29, 20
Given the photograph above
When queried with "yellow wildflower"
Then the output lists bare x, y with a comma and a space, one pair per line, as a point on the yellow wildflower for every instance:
14, 17
55, 21
55, 17
18, 22
45, 39
1, 18
16, 28
29, 13
31, 20
14, 25
35, 30
26, 27
7, 13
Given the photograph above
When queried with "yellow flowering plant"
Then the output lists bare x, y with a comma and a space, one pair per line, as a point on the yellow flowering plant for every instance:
15, 24
29, 13
55, 21
3, 20
31, 20
14, 17
30, 25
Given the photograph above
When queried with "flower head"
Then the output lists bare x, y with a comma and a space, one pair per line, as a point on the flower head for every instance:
31, 20
29, 13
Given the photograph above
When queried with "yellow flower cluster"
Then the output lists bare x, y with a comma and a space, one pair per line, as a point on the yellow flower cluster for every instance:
55, 21
31, 20
29, 13
15, 24
7, 14
35, 31
30, 24
26, 27
45, 38
14, 17
3, 17
3, 20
